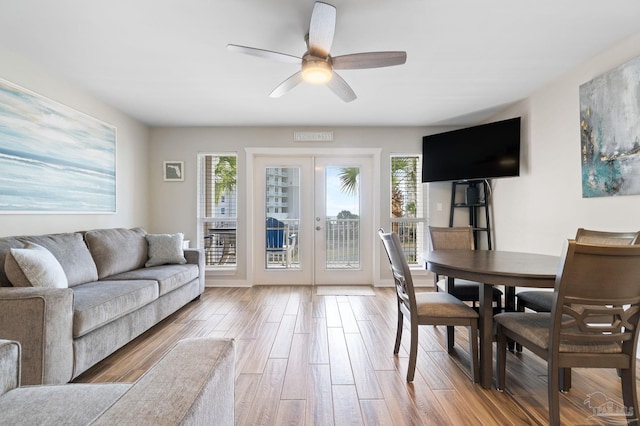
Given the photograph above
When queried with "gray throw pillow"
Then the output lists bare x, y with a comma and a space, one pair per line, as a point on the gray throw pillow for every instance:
164, 249
34, 266
117, 250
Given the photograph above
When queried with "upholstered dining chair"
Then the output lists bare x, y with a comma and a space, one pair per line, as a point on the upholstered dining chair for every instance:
593, 321
426, 308
540, 300
459, 238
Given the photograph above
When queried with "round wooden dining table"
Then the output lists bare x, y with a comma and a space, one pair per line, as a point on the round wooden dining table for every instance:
493, 267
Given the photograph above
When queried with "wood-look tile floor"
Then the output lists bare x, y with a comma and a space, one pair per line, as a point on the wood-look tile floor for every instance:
304, 359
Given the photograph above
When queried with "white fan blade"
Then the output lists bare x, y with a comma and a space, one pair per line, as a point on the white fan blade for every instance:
321, 29
369, 60
287, 85
269, 54
341, 88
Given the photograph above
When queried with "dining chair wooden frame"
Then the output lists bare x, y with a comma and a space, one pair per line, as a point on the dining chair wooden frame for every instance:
459, 238
541, 300
593, 322
425, 308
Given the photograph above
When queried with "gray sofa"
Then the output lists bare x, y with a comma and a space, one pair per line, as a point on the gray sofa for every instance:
193, 384
110, 298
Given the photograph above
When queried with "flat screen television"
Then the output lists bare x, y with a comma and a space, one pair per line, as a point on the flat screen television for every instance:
481, 152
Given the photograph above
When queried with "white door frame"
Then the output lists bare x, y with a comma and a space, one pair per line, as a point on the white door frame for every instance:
363, 274
252, 152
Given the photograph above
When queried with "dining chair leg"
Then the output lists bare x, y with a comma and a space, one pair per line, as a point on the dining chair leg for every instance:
509, 298
413, 351
473, 341
629, 395
396, 347
486, 335
450, 338
553, 395
501, 358
565, 379
519, 308
510, 306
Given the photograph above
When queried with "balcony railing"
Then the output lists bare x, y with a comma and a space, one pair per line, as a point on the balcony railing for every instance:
410, 233
342, 243
220, 243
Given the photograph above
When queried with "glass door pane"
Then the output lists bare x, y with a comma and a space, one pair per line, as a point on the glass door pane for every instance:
311, 224
282, 221
342, 212
343, 194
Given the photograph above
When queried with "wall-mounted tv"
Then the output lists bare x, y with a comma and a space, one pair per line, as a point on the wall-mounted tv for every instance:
481, 152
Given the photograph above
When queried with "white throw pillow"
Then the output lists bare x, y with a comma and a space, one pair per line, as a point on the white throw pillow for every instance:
165, 248
34, 266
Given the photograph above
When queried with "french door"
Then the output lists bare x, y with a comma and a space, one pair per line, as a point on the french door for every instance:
312, 219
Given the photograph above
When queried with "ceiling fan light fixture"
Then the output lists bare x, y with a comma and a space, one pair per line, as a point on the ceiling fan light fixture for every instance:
317, 64
316, 71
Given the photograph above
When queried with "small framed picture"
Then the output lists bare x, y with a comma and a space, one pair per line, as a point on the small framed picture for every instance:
173, 171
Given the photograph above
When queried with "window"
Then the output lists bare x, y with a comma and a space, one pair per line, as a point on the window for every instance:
407, 218
217, 208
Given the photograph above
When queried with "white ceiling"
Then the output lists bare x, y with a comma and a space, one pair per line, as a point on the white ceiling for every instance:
165, 63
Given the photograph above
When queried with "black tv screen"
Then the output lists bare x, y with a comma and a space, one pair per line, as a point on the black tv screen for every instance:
480, 152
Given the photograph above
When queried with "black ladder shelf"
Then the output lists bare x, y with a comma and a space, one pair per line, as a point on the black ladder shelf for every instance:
476, 197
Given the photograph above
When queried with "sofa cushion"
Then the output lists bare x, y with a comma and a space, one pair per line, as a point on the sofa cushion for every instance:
71, 252
117, 250
34, 266
10, 354
101, 302
69, 404
192, 384
169, 277
165, 249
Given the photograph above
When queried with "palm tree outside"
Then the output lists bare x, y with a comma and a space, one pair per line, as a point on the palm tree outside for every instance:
225, 174
404, 172
404, 203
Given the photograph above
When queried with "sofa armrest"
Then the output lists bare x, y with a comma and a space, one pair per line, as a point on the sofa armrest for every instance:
41, 319
193, 384
9, 365
196, 257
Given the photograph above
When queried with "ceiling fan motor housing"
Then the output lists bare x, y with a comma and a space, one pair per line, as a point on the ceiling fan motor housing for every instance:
317, 64
316, 70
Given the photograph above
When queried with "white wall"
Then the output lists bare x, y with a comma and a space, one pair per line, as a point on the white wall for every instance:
543, 207
534, 212
131, 165
173, 204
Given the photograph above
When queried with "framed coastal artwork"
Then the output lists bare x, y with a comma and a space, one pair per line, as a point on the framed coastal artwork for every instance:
53, 159
610, 132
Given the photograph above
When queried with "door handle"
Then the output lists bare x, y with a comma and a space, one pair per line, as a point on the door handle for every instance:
318, 228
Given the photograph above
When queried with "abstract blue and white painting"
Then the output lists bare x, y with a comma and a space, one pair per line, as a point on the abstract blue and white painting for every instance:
53, 158
610, 132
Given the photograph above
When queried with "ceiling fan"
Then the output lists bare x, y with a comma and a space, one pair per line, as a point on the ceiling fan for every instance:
317, 65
